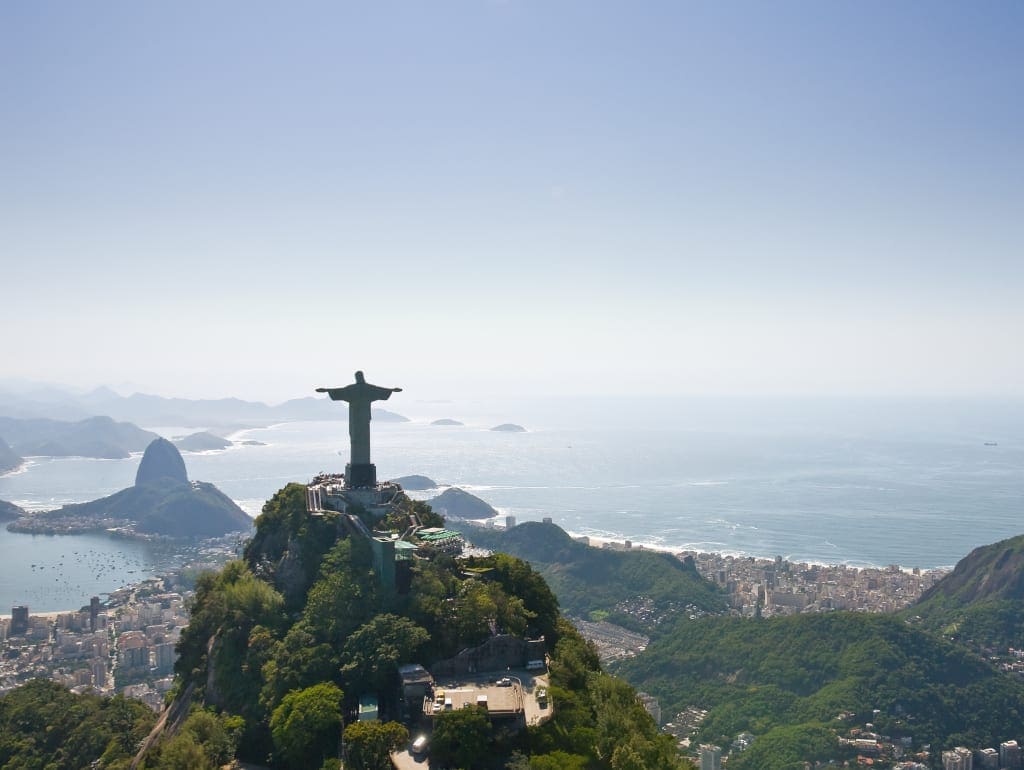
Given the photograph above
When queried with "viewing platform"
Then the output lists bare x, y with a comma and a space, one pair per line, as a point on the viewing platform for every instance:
328, 492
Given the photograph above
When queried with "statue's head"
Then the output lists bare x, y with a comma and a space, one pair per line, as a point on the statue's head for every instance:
359, 378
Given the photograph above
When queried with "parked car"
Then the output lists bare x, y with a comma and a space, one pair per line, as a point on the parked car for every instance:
419, 746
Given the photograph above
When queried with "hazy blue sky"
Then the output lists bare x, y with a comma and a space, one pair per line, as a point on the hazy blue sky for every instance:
514, 197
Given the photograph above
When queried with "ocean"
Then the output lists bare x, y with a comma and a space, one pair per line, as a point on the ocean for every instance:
872, 482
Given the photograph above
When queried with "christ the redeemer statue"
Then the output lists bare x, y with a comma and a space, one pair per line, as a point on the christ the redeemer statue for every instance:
359, 472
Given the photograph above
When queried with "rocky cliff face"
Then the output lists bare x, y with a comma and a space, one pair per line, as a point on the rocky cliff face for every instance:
161, 460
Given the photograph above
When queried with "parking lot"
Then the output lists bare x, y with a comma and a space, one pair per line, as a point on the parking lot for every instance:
518, 692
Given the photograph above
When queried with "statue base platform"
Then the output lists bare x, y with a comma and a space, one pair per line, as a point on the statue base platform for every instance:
360, 475
331, 492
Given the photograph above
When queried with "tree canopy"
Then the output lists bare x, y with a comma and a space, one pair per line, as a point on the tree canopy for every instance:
44, 725
461, 737
307, 725
368, 745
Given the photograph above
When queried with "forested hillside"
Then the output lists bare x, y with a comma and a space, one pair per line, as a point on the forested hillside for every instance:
981, 602
301, 628
610, 583
43, 725
787, 680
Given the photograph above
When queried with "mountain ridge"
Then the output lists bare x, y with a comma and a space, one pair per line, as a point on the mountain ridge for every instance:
100, 437
149, 409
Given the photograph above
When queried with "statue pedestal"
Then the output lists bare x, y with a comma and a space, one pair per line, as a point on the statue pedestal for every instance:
360, 475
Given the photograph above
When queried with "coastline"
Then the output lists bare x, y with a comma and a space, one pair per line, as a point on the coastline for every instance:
49, 614
619, 543
20, 468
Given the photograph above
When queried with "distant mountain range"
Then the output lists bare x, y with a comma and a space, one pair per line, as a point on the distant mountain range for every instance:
142, 409
92, 437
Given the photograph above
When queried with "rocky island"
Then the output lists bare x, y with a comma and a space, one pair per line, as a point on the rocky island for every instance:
509, 427
201, 442
446, 421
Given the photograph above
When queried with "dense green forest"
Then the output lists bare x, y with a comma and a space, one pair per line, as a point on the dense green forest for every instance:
286, 640
792, 676
44, 726
596, 582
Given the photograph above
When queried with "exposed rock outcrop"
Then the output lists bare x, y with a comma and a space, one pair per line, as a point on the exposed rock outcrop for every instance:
161, 460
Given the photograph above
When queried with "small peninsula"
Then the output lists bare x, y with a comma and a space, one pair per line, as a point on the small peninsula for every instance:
509, 427
163, 502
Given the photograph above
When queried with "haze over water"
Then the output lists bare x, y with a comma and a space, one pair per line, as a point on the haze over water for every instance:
856, 482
